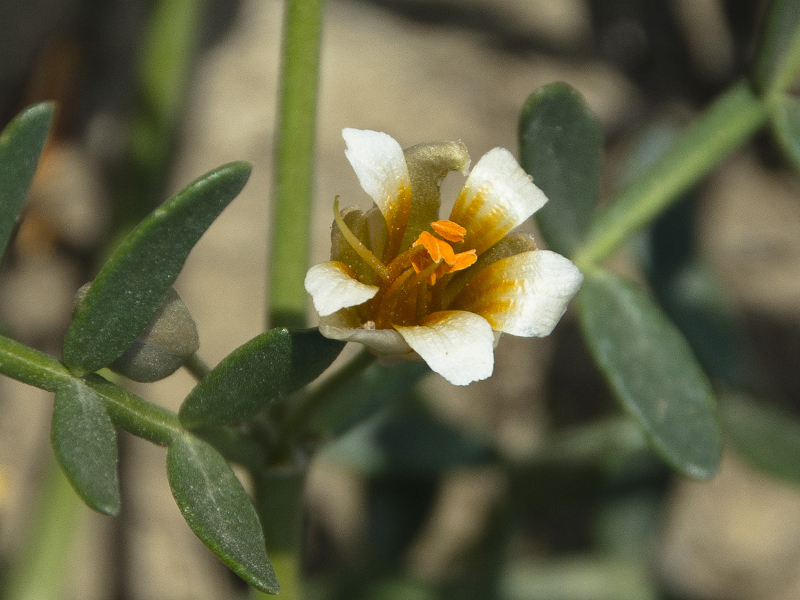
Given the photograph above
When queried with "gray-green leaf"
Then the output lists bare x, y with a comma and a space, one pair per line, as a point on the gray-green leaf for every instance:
653, 373
129, 290
219, 511
21, 144
766, 437
561, 146
265, 369
85, 443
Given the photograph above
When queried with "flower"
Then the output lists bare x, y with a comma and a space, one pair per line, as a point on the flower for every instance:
405, 283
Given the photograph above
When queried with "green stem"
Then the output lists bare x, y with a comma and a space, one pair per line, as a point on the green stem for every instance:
726, 125
30, 366
294, 162
135, 414
43, 568
778, 55
129, 411
278, 492
196, 366
166, 62
305, 410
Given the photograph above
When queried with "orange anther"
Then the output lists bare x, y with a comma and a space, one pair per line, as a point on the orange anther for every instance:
437, 249
452, 232
464, 260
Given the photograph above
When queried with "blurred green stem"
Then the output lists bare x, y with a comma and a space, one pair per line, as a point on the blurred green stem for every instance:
167, 57
279, 501
41, 572
294, 163
727, 124
305, 410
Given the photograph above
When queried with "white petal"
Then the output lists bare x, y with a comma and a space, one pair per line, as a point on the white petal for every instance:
458, 345
497, 196
525, 294
333, 286
344, 326
381, 168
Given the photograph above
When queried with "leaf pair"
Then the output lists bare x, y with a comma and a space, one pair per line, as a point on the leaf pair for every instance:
645, 359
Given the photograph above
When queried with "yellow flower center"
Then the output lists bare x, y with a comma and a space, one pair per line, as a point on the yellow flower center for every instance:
408, 290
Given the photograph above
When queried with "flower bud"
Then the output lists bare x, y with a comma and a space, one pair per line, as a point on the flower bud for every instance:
165, 345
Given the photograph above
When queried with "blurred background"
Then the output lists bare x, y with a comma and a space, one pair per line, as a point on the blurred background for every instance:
460, 494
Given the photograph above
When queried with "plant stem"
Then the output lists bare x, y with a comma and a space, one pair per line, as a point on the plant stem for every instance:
41, 572
129, 411
778, 54
294, 162
166, 61
30, 366
726, 125
302, 413
279, 492
196, 366
134, 414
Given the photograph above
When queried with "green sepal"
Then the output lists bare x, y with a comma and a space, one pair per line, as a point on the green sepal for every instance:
266, 369
219, 511
84, 441
561, 147
653, 373
765, 436
785, 121
128, 292
428, 164
778, 55
21, 144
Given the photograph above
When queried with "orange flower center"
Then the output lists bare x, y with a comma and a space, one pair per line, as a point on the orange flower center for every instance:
440, 252
408, 290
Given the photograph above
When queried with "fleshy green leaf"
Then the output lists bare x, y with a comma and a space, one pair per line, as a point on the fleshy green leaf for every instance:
766, 437
778, 56
85, 443
218, 510
129, 290
785, 119
653, 373
265, 369
21, 144
561, 147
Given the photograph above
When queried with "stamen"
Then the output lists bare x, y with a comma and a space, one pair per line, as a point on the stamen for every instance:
356, 244
430, 272
437, 249
404, 259
452, 232
422, 300
389, 301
